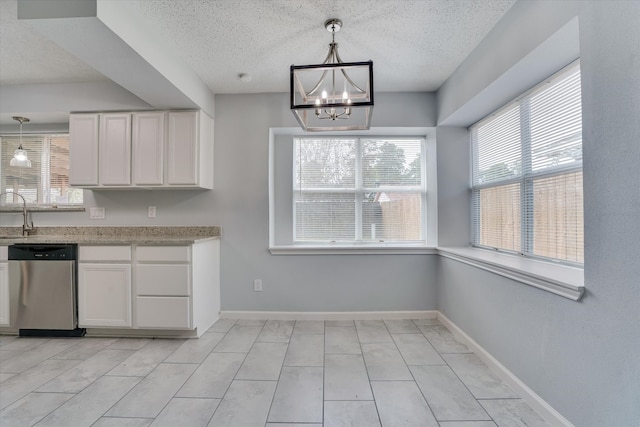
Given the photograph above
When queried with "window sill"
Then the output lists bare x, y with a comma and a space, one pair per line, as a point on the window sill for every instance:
344, 249
558, 279
66, 208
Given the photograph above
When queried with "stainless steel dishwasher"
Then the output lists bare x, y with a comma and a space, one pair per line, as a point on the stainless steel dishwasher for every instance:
43, 289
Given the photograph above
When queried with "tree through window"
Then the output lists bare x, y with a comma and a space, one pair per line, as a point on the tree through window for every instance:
359, 189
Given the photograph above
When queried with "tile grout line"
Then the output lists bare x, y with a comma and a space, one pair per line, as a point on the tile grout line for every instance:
279, 374
213, 351
239, 367
324, 365
163, 361
454, 373
139, 379
62, 373
366, 368
414, 378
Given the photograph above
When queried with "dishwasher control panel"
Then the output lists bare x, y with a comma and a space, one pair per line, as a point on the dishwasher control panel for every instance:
43, 252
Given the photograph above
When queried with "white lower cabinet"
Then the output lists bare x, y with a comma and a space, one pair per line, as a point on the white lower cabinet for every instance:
150, 287
104, 286
163, 287
5, 315
104, 295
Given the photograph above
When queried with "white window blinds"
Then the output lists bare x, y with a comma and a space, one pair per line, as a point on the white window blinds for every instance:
527, 173
359, 189
46, 182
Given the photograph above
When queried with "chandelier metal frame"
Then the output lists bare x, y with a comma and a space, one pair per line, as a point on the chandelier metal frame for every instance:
324, 103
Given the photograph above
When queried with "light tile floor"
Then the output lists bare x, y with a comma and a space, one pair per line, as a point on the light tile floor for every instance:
260, 373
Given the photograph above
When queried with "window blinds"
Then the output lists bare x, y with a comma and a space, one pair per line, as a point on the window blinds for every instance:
527, 173
47, 180
358, 190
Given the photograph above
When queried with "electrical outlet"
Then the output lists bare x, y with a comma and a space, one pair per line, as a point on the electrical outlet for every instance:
257, 285
152, 211
96, 213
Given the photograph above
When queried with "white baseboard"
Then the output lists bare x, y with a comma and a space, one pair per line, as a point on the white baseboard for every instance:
329, 315
141, 333
545, 410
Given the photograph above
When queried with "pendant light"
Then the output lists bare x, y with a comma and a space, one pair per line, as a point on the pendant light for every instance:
334, 95
20, 158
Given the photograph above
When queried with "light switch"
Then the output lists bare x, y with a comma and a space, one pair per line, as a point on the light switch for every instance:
152, 212
96, 213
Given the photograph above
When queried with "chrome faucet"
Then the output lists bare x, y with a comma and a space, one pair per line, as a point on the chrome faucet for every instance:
26, 227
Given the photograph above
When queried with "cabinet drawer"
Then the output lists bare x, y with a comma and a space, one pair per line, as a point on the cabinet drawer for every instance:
163, 312
104, 253
163, 253
158, 279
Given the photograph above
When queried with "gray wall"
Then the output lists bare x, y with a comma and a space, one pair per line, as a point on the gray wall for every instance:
239, 204
454, 195
582, 358
302, 282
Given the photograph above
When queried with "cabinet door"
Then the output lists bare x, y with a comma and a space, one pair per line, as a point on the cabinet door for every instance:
104, 295
4, 294
115, 149
83, 149
182, 148
148, 148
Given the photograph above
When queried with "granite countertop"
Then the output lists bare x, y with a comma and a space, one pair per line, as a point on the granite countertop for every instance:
139, 235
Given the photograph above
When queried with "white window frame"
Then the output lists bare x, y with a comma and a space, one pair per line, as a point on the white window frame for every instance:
358, 189
281, 219
45, 178
526, 179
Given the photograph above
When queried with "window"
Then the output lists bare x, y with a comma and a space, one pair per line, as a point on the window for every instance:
527, 173
46, 182
363, 190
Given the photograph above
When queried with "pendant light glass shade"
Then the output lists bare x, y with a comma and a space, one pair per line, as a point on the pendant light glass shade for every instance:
20, 157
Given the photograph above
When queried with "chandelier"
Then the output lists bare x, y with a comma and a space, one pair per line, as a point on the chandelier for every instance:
334, 95
20, 158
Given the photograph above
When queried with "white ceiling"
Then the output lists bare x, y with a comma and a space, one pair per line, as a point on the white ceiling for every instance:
28, 57
414, 44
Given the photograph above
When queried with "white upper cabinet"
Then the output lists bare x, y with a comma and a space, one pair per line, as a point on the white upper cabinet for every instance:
148, 148
83, 153
114, 166
190, 149
155, 149
182, 146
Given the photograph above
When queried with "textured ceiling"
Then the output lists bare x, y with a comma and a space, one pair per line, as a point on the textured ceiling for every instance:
27, 57
414, 44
